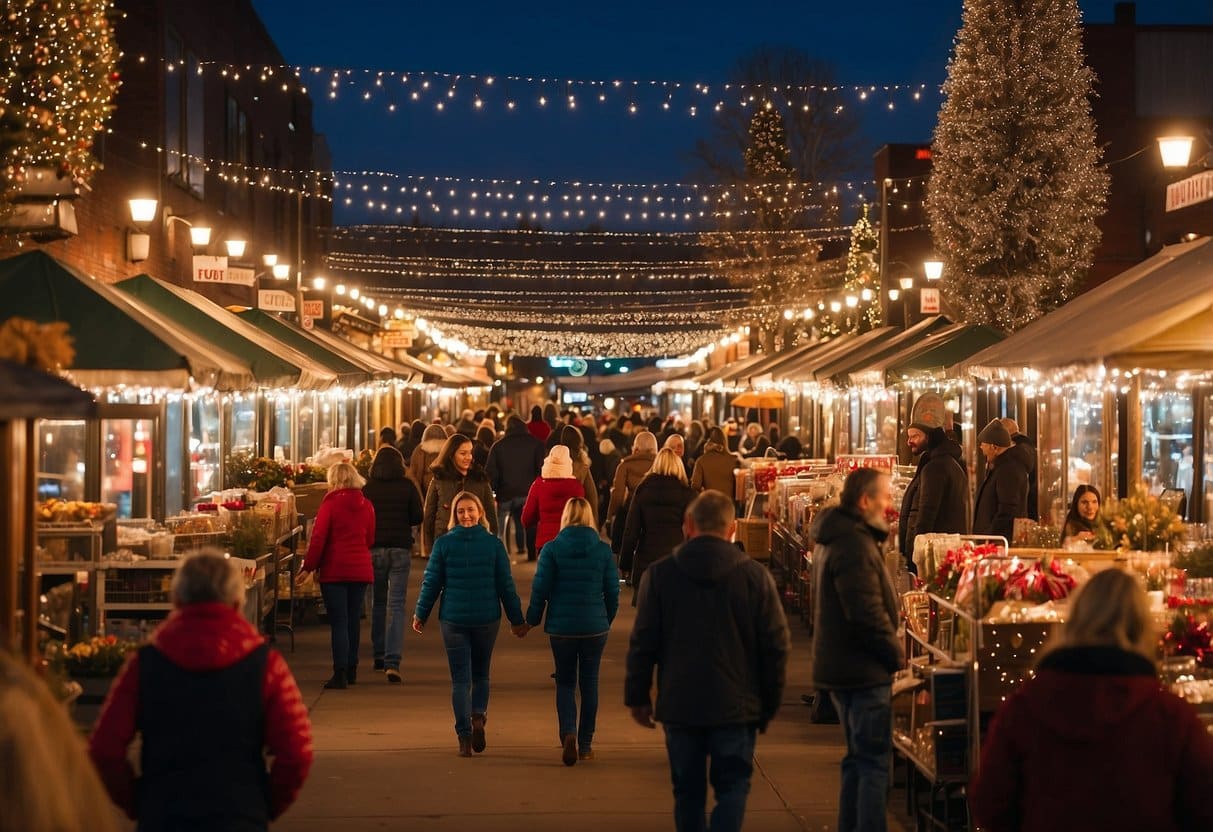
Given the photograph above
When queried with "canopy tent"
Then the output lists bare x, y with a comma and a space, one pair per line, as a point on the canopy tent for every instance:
33, 394
1158, 315
806, 369
118, 340
840, 368
729, 371
348, 373
378, 365
770, 360
274, 364
638, 381
930, 356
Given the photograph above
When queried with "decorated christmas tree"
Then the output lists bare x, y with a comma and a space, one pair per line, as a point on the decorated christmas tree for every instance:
861, 283
1017, 182
58, 77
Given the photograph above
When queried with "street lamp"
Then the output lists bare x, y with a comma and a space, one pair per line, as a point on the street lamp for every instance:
143, 211
138, 241
270, 260
1176, 151
933, 269
318, 284
235, 248
907, 283
282, 271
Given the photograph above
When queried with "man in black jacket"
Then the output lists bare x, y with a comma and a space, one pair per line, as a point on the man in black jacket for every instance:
856, 649
1024, 451
514, 462
1003, 495
711, 621
937, 499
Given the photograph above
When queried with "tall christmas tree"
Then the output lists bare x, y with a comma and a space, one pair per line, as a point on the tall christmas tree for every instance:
58, 77
861, 284
1017, 182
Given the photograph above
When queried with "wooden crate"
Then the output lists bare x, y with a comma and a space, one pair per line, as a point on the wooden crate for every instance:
755, 538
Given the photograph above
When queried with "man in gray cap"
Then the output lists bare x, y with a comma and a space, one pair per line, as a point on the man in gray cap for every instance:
1003, 495
937, 499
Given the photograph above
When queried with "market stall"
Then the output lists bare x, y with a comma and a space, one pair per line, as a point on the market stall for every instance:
1118, 383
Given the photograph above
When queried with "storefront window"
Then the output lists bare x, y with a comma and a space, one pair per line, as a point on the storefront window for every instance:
204, 447
174, 457
1166, 435
61, 459
282, 442
128, 446
306, 414
880, 424
1086, 442
1051, 465
240, 417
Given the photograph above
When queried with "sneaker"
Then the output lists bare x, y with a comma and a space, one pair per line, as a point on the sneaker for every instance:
378, 664
585, 755
393, 675
478, 742
569, 752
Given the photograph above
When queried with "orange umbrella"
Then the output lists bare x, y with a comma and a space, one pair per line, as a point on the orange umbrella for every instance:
765, 399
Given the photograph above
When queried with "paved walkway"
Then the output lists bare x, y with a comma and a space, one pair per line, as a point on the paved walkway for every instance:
385, 754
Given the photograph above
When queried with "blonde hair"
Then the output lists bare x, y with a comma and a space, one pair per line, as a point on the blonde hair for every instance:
49, 783
644, 442
1110, 610
668, 464
577, 512
464, 497
344, 475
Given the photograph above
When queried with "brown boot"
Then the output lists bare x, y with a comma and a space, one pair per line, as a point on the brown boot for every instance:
478, 743
465, 746
569, 752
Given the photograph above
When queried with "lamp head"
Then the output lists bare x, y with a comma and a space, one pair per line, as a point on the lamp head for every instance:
282, 271
1176, 151
933, 269
235, 248
142, 210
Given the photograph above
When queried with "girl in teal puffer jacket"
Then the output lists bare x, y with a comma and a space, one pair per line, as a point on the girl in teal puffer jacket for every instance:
578, 583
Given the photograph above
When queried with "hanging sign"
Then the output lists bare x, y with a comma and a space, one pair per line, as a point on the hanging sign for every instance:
929, 301
241, 275
275, 300
209, 269
1194, 189
313, 309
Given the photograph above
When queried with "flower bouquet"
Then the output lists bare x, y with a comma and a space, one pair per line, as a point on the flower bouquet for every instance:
99, 656
947, 578
1140, 521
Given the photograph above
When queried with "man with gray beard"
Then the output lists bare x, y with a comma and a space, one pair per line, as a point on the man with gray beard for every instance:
856, 650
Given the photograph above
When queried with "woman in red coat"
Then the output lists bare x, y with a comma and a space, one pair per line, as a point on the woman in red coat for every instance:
340, 552
554, 487
208, 697
1093, 741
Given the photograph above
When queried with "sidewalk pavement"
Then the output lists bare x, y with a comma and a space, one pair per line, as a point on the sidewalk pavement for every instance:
385, 754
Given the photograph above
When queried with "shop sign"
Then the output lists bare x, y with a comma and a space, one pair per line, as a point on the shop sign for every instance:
275, 300
1194, 189
929, 303
313, 309
208, 269
241, 275
394, 339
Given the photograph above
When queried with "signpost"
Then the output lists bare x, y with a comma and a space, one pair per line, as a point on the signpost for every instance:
1194, 189
929, 303
312, 309
275, 300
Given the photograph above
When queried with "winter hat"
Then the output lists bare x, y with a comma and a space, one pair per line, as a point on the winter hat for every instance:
606, 447
920, 425
995, 434
559, 465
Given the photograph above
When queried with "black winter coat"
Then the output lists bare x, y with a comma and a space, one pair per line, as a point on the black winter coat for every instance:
515, 460
855, 615
1002, 497
1024, 452
654, 524
397, 510
937, 499
711, 622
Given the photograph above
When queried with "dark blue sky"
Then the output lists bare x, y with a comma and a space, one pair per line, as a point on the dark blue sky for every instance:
871, 42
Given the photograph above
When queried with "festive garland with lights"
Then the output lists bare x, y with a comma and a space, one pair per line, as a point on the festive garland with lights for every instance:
58, 77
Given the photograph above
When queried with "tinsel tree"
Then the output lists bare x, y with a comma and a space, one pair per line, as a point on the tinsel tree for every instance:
1017, 183
58, 77
862, 282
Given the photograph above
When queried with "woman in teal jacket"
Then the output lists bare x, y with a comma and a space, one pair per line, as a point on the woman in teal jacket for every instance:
577, 581
470, 569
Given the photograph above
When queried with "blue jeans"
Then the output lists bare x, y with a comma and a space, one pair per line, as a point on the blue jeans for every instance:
469, 651
512, 508
387, 604
577, 661
343, 606
867, 721
730, 751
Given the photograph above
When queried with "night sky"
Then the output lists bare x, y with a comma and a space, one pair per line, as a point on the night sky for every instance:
874, 42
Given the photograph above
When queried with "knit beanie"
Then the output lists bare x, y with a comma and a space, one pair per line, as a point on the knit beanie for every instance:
559, 465
995, 434
606, 447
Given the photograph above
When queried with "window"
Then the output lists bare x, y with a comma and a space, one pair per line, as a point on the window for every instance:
184, 111
174, 116
236, 150
195, 109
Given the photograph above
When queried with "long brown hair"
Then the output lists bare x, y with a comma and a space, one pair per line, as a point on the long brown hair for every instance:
445, 463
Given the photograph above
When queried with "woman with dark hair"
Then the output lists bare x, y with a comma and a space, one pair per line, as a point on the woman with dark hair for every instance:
470, 570
572, 438
538, 428
410, 439
1082, 520
485, 437
454, 471
694, 442
551, 415
714, 468
433, 440
1095, 718
397, 510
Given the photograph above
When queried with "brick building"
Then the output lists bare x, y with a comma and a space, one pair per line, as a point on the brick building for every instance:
188, 133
